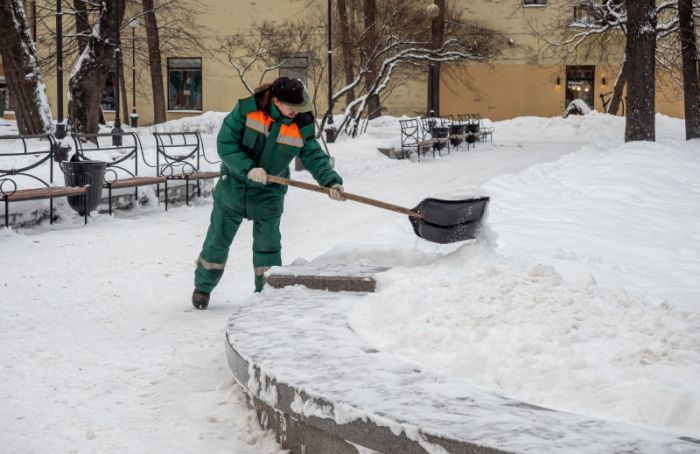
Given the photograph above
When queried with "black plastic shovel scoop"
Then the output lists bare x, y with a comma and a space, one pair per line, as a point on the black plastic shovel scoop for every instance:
439, 221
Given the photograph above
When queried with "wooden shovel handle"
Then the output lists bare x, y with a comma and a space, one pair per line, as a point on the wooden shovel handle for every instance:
347, 195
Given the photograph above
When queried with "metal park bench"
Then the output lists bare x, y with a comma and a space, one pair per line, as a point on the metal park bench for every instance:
122, 169
178, 157
27, 172
413, 139
475, 125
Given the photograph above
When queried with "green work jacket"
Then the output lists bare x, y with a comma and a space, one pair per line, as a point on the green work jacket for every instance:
251, 138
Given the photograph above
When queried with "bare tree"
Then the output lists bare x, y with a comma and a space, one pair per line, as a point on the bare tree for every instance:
82, 23
154, 61
346, 45
388, 45
90, 72
400, 52
271, 47
402, 43
175, 28
22, 70
640, 52
372, 34
689, 51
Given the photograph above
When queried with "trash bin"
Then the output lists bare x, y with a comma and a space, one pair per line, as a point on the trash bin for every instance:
440, 133
82, 173
2, 102
457, 134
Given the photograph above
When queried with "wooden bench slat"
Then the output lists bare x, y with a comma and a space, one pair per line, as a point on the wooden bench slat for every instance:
195, 176
134, 181
43, 193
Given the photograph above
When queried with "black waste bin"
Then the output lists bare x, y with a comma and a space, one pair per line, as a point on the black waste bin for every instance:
457, 134
2, 103
82, 173
440, 133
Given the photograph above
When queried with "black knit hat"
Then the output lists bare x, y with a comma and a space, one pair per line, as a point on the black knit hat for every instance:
292, 93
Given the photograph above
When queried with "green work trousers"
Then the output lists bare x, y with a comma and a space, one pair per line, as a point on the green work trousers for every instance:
224, 223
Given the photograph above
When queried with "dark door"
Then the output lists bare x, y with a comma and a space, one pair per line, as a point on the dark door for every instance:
580, 83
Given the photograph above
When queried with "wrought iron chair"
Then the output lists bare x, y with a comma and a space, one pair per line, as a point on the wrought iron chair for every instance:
413, 138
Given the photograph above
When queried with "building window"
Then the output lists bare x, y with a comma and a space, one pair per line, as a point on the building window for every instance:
6, 100
534, 2
580, 81
294, 67
108, 100
185, 84
584, 14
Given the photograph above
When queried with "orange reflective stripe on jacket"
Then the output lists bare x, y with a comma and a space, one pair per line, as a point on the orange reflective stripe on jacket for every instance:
290, 135
258, 121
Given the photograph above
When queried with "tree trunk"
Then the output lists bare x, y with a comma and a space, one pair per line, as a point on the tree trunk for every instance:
22, 72
154, 61
618, 90
689, 53
437, 36
348, 57
82, 24
374, 106
90, 73
640, 52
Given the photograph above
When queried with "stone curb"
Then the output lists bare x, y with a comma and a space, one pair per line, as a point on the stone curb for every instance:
303, 434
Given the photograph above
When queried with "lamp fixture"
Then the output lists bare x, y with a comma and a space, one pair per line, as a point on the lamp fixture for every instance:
603, 80
558, 80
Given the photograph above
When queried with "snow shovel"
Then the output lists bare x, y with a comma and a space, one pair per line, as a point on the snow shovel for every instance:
439, 221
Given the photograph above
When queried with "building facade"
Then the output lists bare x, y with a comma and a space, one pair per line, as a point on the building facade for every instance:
522, 81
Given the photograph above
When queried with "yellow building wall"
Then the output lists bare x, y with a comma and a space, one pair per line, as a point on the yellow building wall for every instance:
505, 91
221, 87
522, 81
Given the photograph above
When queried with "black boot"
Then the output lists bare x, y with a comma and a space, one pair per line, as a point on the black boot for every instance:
200, 300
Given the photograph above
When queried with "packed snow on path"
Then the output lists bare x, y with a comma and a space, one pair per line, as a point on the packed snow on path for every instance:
580, 295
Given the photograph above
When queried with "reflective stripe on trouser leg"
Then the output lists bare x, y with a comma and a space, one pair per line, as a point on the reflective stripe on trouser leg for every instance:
223, 226
260, 277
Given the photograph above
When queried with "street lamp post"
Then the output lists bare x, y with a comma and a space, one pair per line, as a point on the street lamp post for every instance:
331, 132
117, 128
436, 12
134, 115
60, 132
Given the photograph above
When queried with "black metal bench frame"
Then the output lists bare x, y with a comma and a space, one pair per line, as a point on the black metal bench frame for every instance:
480, 130
178, 157
413, 139
9, 176
117, 168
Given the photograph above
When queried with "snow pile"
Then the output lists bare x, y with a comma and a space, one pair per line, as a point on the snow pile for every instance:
629, 216
585, 297
581, 128
582, 295
208, 123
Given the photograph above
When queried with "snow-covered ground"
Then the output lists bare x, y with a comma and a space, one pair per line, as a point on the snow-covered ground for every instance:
581, 295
